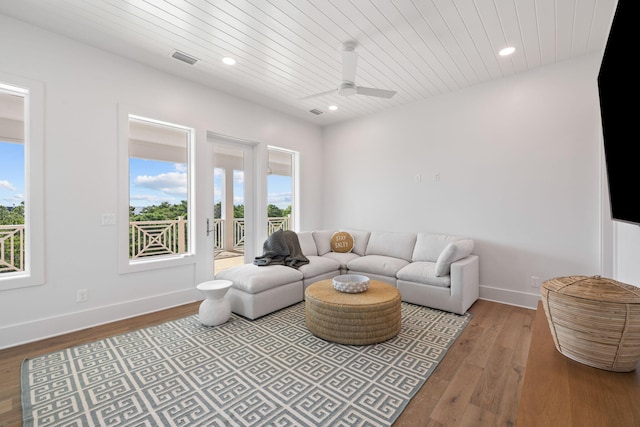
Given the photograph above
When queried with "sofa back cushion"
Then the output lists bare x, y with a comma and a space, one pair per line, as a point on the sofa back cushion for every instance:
429, 246
323, 241
307, 243
397, 245
452, 253
360, 240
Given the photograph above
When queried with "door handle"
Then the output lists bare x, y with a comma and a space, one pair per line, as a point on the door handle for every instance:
208, 229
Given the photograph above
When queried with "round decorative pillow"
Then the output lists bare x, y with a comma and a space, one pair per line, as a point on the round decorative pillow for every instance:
342, 241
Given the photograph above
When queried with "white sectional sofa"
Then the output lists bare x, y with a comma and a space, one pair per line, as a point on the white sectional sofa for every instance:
433, 270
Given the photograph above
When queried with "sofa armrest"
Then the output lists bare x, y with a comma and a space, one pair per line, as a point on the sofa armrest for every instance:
465, 280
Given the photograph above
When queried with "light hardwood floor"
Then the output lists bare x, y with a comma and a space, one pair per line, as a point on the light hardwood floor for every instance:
478, 383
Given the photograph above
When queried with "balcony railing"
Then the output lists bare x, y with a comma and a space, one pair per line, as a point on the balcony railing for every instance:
149, 238
11, 248
146, 238
169, 237
278, 223
238, 234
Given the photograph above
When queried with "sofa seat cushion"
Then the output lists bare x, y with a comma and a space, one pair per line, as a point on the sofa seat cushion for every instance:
319, 265
423, 272
377, 264
342, 258
252, 279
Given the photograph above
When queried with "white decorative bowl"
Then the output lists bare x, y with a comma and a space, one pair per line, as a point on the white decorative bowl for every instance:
351, 283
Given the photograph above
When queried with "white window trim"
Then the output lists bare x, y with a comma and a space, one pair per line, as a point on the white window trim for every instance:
125, 265
34, 273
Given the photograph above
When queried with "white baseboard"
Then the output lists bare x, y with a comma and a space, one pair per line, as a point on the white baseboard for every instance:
25, 332
506, 296
22, 333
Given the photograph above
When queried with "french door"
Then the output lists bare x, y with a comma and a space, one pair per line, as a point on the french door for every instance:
232, 227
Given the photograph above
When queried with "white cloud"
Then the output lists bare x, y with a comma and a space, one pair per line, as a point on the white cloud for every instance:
12, 201
9, 199
279, 198
173, 183
149, 199
6, 185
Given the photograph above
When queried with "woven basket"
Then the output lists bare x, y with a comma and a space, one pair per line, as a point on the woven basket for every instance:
594, 321
353, 318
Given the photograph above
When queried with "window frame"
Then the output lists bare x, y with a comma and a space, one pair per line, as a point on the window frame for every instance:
33, 92
125, 264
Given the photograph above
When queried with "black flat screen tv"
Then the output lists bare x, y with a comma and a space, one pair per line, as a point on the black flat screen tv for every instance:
618, 80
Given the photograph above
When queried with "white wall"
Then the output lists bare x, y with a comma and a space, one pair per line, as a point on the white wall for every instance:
83, 88
626, 250
520, 168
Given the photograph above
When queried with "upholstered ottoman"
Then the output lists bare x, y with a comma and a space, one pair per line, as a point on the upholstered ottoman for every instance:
257, 291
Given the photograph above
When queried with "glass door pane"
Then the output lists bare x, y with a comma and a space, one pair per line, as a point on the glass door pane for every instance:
233, 204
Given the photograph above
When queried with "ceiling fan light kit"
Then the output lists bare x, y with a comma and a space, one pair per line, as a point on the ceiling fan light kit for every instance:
347, 86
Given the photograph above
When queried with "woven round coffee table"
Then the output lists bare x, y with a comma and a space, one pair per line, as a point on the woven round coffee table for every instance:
361, 318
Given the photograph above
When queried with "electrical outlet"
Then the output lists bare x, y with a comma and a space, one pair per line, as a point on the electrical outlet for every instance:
436, 177
535, 282
418, 178
82, 295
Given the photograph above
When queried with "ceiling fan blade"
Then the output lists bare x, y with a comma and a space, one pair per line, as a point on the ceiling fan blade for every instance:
369, 91
317, 95
349, 65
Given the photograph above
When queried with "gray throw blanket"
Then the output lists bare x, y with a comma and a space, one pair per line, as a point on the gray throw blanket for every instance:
282, 248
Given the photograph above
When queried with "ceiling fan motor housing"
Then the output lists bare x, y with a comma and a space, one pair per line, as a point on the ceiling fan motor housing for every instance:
347, 89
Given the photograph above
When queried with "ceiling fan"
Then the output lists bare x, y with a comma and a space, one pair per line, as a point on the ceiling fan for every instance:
348, 86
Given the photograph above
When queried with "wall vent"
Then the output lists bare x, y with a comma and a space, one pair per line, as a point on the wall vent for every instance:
184, 57
315, 111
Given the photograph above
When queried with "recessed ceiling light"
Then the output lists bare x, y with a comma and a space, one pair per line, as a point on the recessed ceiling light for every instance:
333, 107
228, 60
507, 51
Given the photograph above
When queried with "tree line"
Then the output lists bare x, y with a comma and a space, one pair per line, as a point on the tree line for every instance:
12, 215
166, 211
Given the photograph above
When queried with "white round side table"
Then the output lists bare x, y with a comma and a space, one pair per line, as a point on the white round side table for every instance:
215, 309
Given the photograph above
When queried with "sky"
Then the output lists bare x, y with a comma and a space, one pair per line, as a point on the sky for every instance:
11, 174
153, 182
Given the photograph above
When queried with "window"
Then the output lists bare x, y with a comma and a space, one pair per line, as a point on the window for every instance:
281, 190
158, 188
21, 219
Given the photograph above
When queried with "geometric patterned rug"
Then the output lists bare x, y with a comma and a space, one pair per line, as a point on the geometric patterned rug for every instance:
266, 372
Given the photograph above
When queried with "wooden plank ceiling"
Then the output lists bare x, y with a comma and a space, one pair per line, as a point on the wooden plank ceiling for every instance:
289, 49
